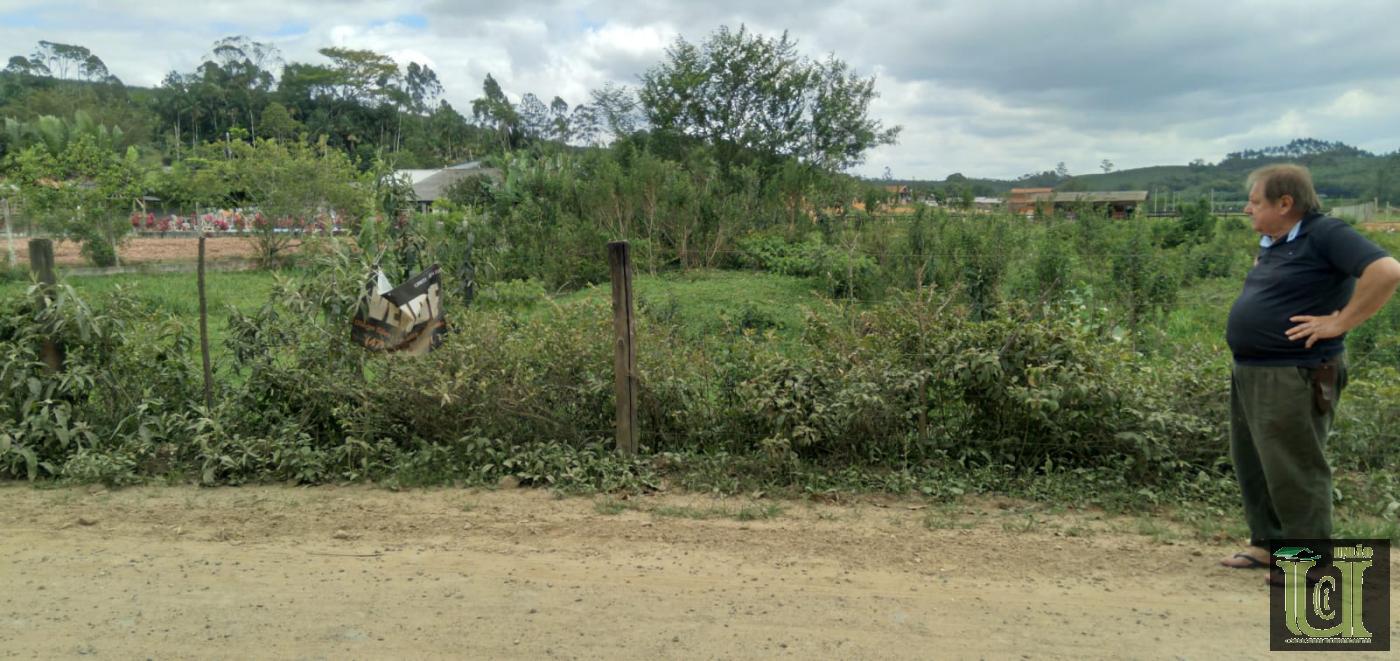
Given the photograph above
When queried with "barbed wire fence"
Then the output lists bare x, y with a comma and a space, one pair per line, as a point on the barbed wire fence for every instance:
632, 434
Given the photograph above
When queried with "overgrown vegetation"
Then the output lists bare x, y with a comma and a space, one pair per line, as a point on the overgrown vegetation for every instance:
1048, 383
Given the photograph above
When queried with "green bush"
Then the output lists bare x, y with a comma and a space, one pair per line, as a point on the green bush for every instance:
913, 384
973, 256
844, 274
126, 386
96, 248
773, 253
1367, 437
848, 275
1376, 342
1195, 226
1045, 277
1144, 278
512, 295
874, 387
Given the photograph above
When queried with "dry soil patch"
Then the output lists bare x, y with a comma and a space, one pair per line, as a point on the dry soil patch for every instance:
332, 572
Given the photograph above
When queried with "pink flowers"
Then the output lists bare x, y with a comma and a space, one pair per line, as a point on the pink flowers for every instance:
233, 220
223, 220
142, 222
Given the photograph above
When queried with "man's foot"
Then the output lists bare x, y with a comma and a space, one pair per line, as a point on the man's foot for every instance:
1254, 557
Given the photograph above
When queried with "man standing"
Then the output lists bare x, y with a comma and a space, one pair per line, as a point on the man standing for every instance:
1314, 279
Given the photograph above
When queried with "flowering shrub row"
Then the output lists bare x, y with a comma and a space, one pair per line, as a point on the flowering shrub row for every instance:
226, 220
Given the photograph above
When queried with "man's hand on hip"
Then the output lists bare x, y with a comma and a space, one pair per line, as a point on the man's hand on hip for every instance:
1312, 328
1375, 286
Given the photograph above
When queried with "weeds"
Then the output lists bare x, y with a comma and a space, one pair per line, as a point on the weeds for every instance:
1029, 524
1157, 530
945, 518
999, 367
612, 506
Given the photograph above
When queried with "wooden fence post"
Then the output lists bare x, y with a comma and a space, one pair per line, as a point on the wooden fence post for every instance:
204, 333
625, 357
41, 264
10, 235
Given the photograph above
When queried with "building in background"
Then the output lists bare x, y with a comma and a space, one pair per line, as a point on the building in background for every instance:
1115, 204
899, 194
432, 185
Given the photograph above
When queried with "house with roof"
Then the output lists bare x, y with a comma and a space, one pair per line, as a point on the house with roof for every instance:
899, 194
988, 204
432, 185
1115, 204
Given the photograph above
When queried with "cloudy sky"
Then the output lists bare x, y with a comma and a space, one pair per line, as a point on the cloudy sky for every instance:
989, 88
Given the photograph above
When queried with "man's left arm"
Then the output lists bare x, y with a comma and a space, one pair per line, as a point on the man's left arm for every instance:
1375, 286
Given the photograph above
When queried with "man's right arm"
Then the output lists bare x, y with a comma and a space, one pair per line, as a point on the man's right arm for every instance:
1375, 286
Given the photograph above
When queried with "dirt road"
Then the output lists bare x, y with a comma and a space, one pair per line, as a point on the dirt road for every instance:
333, 573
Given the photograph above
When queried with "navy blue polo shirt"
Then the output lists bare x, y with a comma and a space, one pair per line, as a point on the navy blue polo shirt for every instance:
1314, 273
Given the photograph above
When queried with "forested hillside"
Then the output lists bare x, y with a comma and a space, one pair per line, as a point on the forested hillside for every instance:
362, 102
1343, 173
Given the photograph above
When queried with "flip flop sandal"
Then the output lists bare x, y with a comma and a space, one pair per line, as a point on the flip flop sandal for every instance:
1251, 562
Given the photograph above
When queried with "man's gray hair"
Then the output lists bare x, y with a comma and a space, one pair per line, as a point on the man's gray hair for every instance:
1286, 179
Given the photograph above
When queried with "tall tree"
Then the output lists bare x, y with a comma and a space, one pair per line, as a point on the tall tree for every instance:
494, 111
353, 100
246, 70
448, 134
751, 95
22, 65
66, 62
82, 190
615, 110
534, 117
176, 107
278, 124
422, 87
583, 125
559, 120
842, 129
361, 75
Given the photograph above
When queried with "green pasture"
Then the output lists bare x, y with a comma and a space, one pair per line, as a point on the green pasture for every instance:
715, 304
703, 303
176, 293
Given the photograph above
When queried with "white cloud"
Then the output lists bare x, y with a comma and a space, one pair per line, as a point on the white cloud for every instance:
1354, 103
984, 88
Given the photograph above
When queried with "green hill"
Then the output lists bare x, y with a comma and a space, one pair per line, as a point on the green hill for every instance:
1342, 173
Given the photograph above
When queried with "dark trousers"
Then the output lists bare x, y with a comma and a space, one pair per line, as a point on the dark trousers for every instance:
1277, 437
